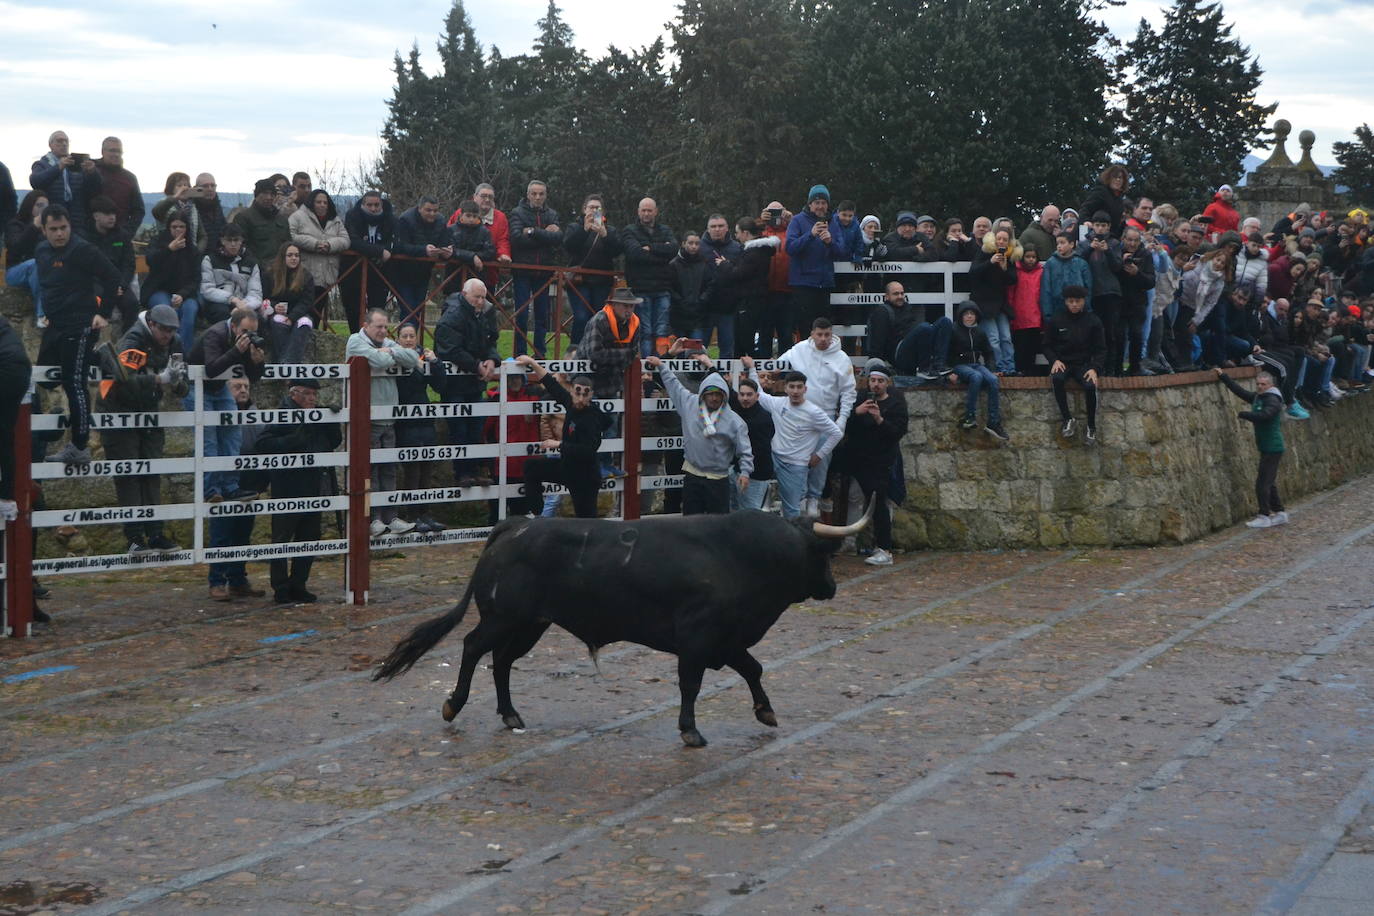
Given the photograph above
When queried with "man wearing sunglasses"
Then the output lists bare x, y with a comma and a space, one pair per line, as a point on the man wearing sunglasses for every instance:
576, 467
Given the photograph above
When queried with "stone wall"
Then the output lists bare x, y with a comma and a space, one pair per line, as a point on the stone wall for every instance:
1173, 463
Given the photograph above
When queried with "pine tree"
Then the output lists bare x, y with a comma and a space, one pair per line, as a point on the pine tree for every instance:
1356, 173
1191, 114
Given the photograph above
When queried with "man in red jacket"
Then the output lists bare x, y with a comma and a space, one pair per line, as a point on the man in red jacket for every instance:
779, 317
1225, 217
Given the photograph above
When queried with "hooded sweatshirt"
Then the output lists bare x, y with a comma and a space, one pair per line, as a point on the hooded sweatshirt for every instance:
829, 377
384, 392
1225, 217
709, 452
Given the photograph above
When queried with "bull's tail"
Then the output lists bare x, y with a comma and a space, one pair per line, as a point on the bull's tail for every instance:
421, 639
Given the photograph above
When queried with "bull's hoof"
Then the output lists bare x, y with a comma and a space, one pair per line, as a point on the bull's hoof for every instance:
450, 711
766, 716
692, 738
513, 720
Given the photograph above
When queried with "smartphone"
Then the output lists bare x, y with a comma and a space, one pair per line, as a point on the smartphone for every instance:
79, 158
598, 217
775, 215
692, 345
195, 192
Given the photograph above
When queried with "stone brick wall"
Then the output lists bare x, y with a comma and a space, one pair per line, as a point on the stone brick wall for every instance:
1173, 463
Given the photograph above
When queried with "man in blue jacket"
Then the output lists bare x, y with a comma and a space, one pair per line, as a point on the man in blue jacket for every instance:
815, 241
66, 180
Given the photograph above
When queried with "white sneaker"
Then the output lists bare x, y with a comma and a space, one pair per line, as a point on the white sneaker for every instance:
400, 526
880, 558
1259, 521
1278, 518
378, 528
9, 510
825, 505
1336, 393
809, 509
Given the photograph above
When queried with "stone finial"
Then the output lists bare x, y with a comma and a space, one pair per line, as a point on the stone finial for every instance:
1306, 139
1279, 157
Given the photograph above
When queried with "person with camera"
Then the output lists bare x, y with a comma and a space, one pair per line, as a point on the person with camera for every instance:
872, 444
779, 320
144, 367
290, 577
69, 179
472, 244
1137, 285
594, 244
1102, 251
229, 346
990, 280
178, 198
814, 243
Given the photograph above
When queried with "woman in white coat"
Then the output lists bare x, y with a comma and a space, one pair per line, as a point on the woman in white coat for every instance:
318, 230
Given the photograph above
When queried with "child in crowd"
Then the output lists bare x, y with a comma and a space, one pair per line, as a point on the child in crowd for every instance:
1024, 298
1064, 268
1076, 346
1266, 413
971, 360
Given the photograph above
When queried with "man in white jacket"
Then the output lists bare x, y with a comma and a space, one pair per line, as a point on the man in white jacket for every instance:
804, 437
830, 386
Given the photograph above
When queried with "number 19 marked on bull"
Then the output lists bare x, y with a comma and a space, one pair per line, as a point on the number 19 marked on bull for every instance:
705, 588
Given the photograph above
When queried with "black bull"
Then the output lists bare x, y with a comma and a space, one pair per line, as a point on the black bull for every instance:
704, 588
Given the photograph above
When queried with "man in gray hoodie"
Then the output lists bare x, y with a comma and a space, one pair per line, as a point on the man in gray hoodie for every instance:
381, 352
713, 437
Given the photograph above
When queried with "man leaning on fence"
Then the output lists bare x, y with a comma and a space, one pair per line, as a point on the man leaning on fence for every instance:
381, 352
299, 482
232, 345
145, 365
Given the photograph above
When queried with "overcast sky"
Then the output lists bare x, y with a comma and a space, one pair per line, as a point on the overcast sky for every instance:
245, 88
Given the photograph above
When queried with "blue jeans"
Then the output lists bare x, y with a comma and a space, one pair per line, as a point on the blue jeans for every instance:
25, 273
791, 486
980, 378
653, 319
220, 441
230, 531
524, 289
753, 495
724, 326
594, 295
999, 335
815, 477
187, 312
923, 347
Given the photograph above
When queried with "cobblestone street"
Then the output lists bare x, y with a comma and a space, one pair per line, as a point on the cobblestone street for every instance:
1174, 730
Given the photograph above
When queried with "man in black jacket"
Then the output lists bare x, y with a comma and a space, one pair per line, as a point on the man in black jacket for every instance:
720, 253
141, 368
118, 248
576, 467
472, 244
15, 380
1076, 346
466, 336
899, 335
371, 233
229, 346
649, 247
210, 210
69, 270
1137, 280
592, 244
748, 277
534, 239
289, 582
419, 234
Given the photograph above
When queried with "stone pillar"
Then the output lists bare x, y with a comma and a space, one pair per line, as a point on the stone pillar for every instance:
1277, 186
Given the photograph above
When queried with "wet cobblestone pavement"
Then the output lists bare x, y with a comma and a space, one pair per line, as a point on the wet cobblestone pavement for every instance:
1174, 730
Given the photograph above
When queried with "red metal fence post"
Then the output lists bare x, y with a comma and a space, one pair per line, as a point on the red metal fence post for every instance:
359, 481
19, 534
629, 430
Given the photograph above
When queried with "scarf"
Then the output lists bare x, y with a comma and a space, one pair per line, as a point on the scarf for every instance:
709, 417
632, 325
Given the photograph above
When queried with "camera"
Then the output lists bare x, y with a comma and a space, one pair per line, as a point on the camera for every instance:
255, 339
775, 215
1100, 236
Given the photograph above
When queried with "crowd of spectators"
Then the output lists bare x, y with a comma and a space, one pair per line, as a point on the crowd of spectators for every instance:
1116, 286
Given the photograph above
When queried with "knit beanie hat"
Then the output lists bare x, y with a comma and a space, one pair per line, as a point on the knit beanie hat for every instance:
818, 191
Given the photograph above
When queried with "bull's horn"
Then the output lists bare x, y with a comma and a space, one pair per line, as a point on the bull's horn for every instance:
844, 531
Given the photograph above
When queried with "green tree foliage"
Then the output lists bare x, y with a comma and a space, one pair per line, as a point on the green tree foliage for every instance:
1191, 114
1356, 172
953, 107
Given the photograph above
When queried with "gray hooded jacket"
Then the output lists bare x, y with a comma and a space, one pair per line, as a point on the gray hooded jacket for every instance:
712, 455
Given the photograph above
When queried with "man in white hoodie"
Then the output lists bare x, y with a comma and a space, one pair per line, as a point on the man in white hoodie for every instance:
830, 386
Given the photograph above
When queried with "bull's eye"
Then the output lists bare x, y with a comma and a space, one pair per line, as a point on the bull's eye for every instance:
628, 536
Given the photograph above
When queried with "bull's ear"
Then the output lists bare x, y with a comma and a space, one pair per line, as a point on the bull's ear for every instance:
827, 546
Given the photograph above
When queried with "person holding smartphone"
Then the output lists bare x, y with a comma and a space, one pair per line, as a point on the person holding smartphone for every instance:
69, 179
